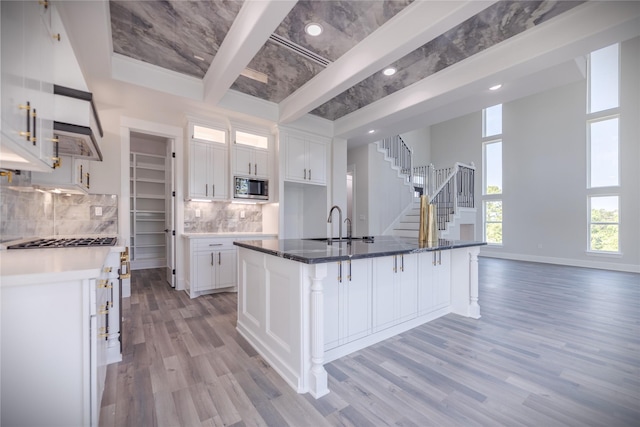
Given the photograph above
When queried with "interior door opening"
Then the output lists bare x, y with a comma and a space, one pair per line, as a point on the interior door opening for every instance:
152, 185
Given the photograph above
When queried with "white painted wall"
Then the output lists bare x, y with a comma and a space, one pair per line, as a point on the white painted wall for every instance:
419, 140
544, 171
381, 194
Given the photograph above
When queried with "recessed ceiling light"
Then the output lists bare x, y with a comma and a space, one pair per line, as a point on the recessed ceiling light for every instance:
372, 131
255, 75
389, 71
313, 29
495, 87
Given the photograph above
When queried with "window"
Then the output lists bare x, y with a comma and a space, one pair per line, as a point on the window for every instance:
492, 174
604, 222
208, 134
493, 167
493, 221
603, 152
603, 156
492, 121
603, 79
252, 140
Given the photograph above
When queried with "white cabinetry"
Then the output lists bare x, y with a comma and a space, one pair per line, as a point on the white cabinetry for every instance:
305, 158
55, 343
250, 153
434, 281
27, 86
395, 280
208, 163
72, 176
148, 193
212, 265
347, 302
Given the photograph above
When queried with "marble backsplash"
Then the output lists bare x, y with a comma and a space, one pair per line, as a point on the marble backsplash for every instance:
222, 217
27, 213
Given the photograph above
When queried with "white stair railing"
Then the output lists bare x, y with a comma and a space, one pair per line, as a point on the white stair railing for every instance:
453, 188
401, 154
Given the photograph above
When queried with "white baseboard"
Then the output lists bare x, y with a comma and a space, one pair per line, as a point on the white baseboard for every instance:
602, 265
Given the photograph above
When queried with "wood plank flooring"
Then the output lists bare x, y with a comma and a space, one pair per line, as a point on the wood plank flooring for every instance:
556, 346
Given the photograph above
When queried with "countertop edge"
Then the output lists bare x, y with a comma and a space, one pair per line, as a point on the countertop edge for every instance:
324, 260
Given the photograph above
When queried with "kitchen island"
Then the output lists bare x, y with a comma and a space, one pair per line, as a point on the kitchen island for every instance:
303, 303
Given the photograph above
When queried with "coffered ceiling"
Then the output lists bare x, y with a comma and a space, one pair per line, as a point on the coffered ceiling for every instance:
209, 50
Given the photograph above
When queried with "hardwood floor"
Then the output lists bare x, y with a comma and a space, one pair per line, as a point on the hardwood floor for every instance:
556, 346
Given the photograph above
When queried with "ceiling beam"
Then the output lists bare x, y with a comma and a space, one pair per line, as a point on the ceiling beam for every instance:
577, 32
255, 22
417, 24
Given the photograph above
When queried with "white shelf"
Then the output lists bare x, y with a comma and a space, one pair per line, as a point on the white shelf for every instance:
147, 192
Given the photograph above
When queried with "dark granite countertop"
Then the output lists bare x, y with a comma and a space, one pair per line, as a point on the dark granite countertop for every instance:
311, 251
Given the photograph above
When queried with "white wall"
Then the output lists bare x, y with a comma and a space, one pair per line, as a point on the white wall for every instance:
544, 172
419, 140
381, 194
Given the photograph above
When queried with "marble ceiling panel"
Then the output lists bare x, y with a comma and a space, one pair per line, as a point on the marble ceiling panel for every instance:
490, 27
345, 23
285, 71
170, 34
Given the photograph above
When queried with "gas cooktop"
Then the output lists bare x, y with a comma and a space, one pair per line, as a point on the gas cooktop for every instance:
66, 243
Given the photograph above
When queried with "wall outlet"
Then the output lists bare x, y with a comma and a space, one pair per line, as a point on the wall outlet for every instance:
197, 213
362, 218
241, 214
98, 211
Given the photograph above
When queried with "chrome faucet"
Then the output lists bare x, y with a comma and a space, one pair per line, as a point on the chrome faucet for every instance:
339, 218
348, 228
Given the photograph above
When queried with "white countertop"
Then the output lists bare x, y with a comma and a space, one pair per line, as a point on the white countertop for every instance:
30, 266
236, 234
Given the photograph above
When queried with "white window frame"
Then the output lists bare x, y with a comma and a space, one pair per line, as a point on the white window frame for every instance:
496, 197
589, 224
604, 191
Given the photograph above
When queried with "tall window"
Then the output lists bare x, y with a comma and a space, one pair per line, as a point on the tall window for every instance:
603, 166
492, 174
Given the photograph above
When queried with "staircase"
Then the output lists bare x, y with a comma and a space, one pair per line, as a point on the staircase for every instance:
450, 189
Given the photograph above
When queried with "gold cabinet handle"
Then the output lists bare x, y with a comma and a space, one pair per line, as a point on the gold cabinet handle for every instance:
44, 3
104, 309
104, 284
108, 269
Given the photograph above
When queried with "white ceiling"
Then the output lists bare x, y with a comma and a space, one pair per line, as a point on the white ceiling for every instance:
543, 57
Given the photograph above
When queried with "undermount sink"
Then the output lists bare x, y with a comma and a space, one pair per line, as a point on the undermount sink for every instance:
367, 239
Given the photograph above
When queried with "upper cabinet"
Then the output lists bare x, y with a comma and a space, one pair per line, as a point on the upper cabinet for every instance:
250, 153
208, 162
305, 158
27, 49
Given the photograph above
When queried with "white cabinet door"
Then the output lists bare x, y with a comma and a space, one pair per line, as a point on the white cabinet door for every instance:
442, 279
434, 289
204, 271
384, 278
27, 89
357, 299
395, 297
226, 268
243, 163
347, 302
261, 163
305, 160
219, 173
295, 159
316, 162
407, 287
200, 179
252, 162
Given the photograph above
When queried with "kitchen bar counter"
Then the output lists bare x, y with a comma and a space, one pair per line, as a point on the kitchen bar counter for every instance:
313, 251
302, 303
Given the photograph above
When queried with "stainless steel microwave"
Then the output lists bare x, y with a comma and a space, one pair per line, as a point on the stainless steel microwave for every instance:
251, 188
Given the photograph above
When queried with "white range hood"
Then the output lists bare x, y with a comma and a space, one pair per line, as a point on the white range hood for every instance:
76, 124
